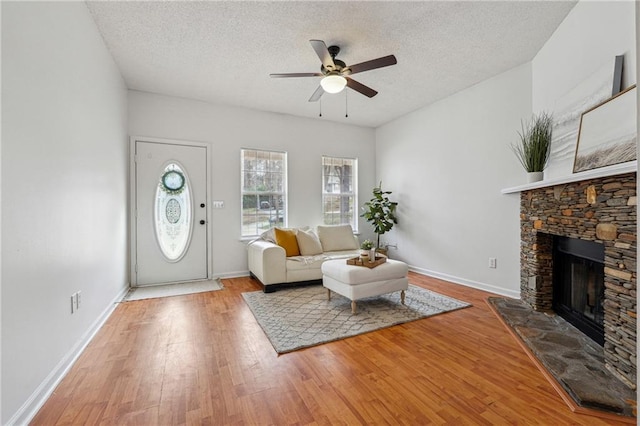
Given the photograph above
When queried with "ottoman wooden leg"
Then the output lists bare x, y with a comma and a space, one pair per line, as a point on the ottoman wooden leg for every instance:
328, 294
353, 306
402, 297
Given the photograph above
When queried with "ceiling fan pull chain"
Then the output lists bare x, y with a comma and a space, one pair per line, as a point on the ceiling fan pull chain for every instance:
346, 103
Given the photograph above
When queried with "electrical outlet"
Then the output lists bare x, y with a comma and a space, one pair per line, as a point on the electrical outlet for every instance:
218, 204
493, 262
78, 299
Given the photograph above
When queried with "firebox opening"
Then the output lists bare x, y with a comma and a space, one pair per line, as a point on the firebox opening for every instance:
578, 284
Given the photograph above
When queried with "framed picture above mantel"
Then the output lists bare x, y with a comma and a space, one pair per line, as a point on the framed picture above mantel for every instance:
608, 133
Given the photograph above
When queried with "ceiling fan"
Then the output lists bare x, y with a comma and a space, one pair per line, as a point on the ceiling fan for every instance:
336, 73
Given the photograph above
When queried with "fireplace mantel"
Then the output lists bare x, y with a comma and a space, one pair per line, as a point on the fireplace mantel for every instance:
616, 169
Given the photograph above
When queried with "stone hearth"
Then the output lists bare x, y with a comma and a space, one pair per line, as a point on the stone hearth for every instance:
601, 210
574, 360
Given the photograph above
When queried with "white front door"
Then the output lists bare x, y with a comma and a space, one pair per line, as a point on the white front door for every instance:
170, 213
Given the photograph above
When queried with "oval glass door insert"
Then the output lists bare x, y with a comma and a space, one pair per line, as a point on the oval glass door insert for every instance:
173, 213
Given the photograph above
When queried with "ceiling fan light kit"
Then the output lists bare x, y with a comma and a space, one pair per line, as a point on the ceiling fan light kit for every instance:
335, 72
333, 83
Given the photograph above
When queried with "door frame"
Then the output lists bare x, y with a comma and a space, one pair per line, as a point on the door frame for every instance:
133, 277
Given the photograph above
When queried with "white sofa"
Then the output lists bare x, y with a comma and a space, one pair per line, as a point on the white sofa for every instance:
269, 264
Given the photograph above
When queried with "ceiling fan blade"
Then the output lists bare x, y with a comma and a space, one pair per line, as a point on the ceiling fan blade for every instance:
317, 94
297, 74
359, 87
323, 53
385, 61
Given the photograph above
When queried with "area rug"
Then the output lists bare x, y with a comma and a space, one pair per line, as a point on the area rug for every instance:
178, 289
300, 317
574, 361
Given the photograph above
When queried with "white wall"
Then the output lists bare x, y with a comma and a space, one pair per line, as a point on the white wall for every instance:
446, 164
452, 215
64, 194
229, 129
584, 45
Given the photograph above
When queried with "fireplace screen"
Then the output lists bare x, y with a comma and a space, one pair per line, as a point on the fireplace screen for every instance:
578, 284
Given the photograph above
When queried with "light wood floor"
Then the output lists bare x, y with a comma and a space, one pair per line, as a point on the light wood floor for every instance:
203, 359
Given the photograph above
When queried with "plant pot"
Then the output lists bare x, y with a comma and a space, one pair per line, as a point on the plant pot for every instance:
534, 176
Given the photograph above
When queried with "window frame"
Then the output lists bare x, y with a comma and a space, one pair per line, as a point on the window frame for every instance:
284, 193
353, 194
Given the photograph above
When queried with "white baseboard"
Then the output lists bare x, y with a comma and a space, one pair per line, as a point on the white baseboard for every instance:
234, 274
466, 282
457, 280
32, 405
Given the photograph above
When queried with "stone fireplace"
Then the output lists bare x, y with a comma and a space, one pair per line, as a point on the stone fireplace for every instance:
600, 210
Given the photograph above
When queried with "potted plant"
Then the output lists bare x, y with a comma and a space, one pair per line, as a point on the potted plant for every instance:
535, 145
366, 247
381, 212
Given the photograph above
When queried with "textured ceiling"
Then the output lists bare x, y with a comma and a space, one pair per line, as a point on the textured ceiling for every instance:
223, 52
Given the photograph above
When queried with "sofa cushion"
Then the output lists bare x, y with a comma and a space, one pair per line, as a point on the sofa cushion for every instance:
297, 263
308, 243
337, 237
346, 254
269, 234
286, 238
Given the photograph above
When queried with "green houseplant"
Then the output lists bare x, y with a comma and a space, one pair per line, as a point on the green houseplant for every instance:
380, 211
535, 145
366, 245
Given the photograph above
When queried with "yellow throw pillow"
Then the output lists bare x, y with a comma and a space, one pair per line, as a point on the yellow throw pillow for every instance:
286, 238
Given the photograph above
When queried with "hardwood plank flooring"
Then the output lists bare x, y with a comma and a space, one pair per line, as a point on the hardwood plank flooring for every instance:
203, 359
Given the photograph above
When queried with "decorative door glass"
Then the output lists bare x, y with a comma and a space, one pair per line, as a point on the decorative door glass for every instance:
173, 212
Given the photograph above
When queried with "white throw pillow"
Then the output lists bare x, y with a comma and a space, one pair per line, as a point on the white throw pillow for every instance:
337, 238
308, 243
269, 235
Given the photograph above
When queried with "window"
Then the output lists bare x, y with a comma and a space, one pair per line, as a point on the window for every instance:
339, 194
264, 190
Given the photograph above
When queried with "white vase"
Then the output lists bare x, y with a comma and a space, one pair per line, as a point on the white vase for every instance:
534, 176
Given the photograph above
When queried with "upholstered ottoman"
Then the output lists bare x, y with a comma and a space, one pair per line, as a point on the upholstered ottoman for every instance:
358, 282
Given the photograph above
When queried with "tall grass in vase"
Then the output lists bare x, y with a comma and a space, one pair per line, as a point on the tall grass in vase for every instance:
535, 145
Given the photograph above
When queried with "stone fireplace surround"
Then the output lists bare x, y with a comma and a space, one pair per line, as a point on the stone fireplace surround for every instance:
603, 210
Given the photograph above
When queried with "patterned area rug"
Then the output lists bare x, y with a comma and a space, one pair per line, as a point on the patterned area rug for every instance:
300, 317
